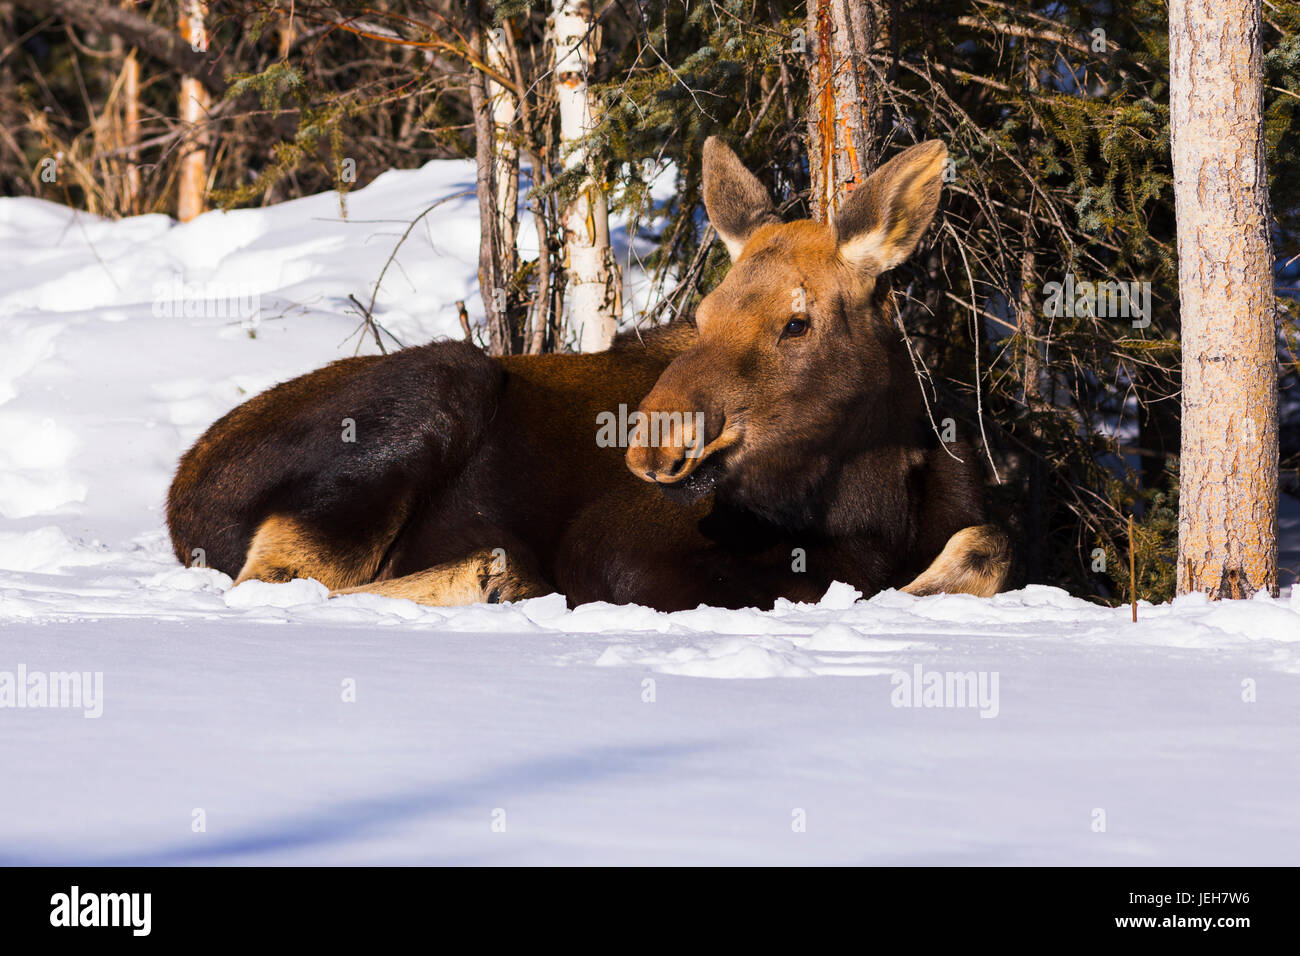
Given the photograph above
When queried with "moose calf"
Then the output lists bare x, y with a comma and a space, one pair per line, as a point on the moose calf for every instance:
800, 453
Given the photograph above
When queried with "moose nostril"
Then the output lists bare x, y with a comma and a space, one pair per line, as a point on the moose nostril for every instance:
677, 467
652, 475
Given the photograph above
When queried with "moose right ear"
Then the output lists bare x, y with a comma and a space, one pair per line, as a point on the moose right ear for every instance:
735, 200
882, 220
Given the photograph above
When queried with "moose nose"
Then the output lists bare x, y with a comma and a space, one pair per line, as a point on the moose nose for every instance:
651, 463
661, 456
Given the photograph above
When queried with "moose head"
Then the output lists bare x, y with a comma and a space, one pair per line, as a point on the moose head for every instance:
797, 363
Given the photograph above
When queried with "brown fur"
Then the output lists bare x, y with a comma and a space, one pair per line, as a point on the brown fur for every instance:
817, 460
284, 548
974, 561
485, 577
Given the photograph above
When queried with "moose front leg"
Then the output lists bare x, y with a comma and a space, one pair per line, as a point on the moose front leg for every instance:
488, 577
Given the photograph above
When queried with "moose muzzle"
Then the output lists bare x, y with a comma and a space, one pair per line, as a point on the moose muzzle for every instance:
678, 427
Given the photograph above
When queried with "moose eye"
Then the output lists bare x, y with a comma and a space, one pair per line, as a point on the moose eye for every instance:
794, 328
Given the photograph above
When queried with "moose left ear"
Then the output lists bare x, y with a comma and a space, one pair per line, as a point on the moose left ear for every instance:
735, 200
882, 220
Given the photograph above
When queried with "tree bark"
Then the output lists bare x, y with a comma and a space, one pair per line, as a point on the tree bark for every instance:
492, 280
505, 155
1227, 518
594, 285
130, 124
844, 102
287, 33
131, 129
194, 104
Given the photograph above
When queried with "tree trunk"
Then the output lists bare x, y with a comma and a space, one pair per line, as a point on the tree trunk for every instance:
194, 104
505, 152
1027, 313
493, 281
131, 130
286, 33
595, 288
1227, 515
124, 132
843, 107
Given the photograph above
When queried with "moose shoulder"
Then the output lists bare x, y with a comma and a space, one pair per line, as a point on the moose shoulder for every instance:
779, 444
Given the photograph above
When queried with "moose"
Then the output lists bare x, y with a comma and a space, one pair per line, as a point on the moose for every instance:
804, 455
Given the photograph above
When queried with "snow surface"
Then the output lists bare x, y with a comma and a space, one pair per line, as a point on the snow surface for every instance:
367, 730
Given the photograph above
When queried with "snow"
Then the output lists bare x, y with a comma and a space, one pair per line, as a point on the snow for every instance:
271, 724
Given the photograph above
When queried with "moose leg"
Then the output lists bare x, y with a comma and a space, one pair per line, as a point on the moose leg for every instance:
286, 547
971, 557
974, 561
484, 577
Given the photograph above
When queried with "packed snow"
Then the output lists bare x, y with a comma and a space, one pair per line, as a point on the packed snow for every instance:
269, 723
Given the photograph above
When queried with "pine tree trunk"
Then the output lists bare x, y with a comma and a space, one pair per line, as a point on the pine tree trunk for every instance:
1227, 521
594, 285
843, 107
194, 103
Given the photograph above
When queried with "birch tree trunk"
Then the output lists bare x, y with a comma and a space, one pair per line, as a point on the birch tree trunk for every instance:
595, 287
1227, 513
843, 108
194, 102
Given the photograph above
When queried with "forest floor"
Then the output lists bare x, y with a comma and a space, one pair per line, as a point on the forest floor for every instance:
269, 724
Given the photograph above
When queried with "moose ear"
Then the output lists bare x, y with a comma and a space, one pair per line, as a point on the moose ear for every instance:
883, 219
735, 200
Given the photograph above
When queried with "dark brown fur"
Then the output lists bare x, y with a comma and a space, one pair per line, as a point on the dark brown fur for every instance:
472, 477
